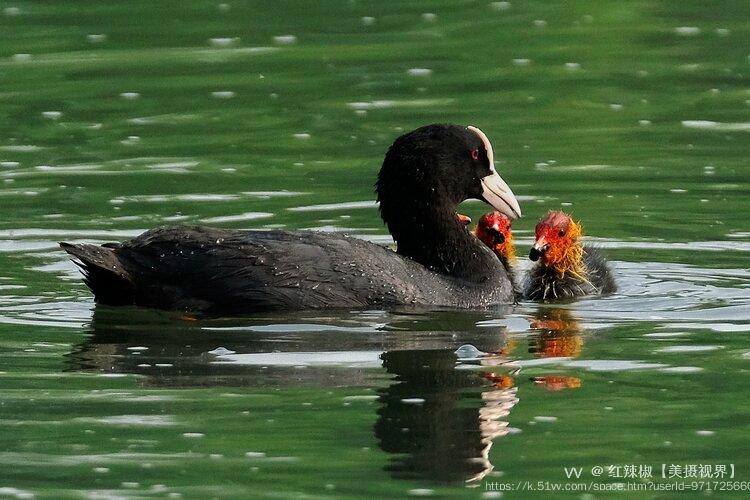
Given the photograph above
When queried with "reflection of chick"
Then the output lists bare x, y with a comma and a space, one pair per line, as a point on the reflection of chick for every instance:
559, 335
557, 382
501, 381
566, 267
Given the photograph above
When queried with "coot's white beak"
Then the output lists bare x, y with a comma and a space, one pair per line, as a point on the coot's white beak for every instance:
497, 193
494, 189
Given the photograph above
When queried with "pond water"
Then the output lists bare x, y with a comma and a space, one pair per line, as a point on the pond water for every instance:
116, 117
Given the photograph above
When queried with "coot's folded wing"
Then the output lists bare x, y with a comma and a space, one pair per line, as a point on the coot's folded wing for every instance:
198, 268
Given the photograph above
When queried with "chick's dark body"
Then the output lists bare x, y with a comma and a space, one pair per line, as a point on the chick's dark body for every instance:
545, 283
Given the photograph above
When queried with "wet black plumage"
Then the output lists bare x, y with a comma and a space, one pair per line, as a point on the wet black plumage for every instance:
424, 176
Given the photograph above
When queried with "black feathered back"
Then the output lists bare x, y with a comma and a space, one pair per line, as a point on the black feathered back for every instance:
216, 271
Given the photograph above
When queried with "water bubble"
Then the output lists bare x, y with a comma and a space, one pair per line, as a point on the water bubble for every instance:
682, 369
224, 7
468, 351
690, 67
285, 39
221, 351
131, 140
521, 62
722, 31
500, 6
222, 94
413, 401
421, 492
572, 66
11, 11
429, 17
419, 72
96, 38
21, 57
362, 397
223, 41
689, 348
129, 96
539, 23
687, 30
52, 115
368, 20
542, 418
644, 123
302, 136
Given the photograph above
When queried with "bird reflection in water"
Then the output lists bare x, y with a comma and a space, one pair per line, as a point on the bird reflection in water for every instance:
557, 334
446, 436
439, 416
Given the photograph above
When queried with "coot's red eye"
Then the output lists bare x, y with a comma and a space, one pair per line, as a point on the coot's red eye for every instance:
475, 154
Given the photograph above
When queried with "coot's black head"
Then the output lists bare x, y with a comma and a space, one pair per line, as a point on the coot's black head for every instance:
434, 168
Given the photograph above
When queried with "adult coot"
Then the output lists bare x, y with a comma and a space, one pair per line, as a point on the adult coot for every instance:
426, 173
566, 267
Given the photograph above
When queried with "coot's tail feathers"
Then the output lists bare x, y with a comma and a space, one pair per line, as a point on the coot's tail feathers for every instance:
103, 273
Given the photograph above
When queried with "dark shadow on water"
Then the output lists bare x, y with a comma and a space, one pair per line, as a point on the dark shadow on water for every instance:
437, 417
446, 436
170, 349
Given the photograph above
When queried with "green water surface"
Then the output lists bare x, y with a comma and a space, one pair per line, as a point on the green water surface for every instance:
119, 116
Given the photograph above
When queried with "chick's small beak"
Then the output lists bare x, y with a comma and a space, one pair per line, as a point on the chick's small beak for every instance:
540, 246
498, 194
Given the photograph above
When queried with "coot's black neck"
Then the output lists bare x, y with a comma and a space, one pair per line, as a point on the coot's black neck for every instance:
432, 235
425, 175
